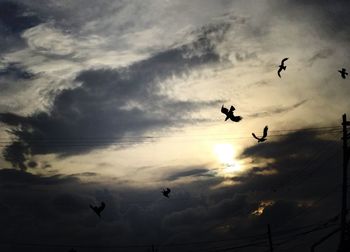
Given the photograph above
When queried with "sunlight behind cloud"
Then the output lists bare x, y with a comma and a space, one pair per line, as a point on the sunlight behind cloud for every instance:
225, 154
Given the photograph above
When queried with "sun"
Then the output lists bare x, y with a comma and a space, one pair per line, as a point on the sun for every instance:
225, 154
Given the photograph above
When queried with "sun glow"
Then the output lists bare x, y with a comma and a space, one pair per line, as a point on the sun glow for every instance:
225, 153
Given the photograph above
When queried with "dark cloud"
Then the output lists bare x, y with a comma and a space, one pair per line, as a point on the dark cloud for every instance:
302, 160
112, 103
193, 172
278, 110
327, 18
15, 71
14, 19
308, 166
321, 54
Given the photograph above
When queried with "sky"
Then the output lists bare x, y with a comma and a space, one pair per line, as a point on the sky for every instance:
114, 100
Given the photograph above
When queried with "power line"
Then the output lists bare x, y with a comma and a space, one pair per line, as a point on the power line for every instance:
129, 138
241, 239
323, 197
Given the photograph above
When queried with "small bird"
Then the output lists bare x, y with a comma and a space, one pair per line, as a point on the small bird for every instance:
166, 192
263, 138
343, 73
229, 114
282, 67
99, 209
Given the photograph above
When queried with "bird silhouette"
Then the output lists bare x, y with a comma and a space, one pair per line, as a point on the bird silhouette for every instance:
263, 138
281, 67
166, 192
99, 209
343, 73
229, 114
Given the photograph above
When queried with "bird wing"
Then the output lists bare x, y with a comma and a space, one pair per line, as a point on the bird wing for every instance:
232, 109
255, 136
279, 72
168, 190
265, 132
224, 110
103, 205
236, 118
282, 62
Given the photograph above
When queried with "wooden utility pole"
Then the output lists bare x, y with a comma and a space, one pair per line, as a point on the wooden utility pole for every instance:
344, 240
270, 237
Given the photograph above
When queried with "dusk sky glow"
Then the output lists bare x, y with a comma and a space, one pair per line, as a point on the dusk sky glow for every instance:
114, 100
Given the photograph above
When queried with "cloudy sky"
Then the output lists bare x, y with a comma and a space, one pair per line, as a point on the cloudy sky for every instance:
114, 100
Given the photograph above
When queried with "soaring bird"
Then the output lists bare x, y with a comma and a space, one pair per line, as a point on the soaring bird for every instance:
229, 114
281, 67
99, 209
263, 138
343, 73
166, 192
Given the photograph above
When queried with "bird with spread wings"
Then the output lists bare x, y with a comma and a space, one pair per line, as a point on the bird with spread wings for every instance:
263, 138
98, 209
166, 192
229, 114
282, 67
343, 73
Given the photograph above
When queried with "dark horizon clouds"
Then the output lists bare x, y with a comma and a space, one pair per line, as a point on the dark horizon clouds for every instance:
194, 212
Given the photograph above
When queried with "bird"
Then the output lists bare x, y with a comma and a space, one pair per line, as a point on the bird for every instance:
166, 192
263, 138
99, 209
229, 114
282, 67
343, 73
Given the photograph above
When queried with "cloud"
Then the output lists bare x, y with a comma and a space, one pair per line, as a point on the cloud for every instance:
14, 19
279, 110
197, 209
15, 72
321, 54
193, 172
113, 103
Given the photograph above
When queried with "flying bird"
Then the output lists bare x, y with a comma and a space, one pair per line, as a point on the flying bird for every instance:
263, 138
99, 209
343, 73
282, 67
166, 192
229, 114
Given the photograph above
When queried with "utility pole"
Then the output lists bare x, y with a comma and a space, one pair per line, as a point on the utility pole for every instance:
154, 249
270, 238
344, 239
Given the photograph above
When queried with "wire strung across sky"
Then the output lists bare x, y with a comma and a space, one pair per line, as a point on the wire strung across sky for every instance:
242, 242
125, 140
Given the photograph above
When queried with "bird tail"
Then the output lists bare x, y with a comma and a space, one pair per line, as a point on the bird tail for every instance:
284, 67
